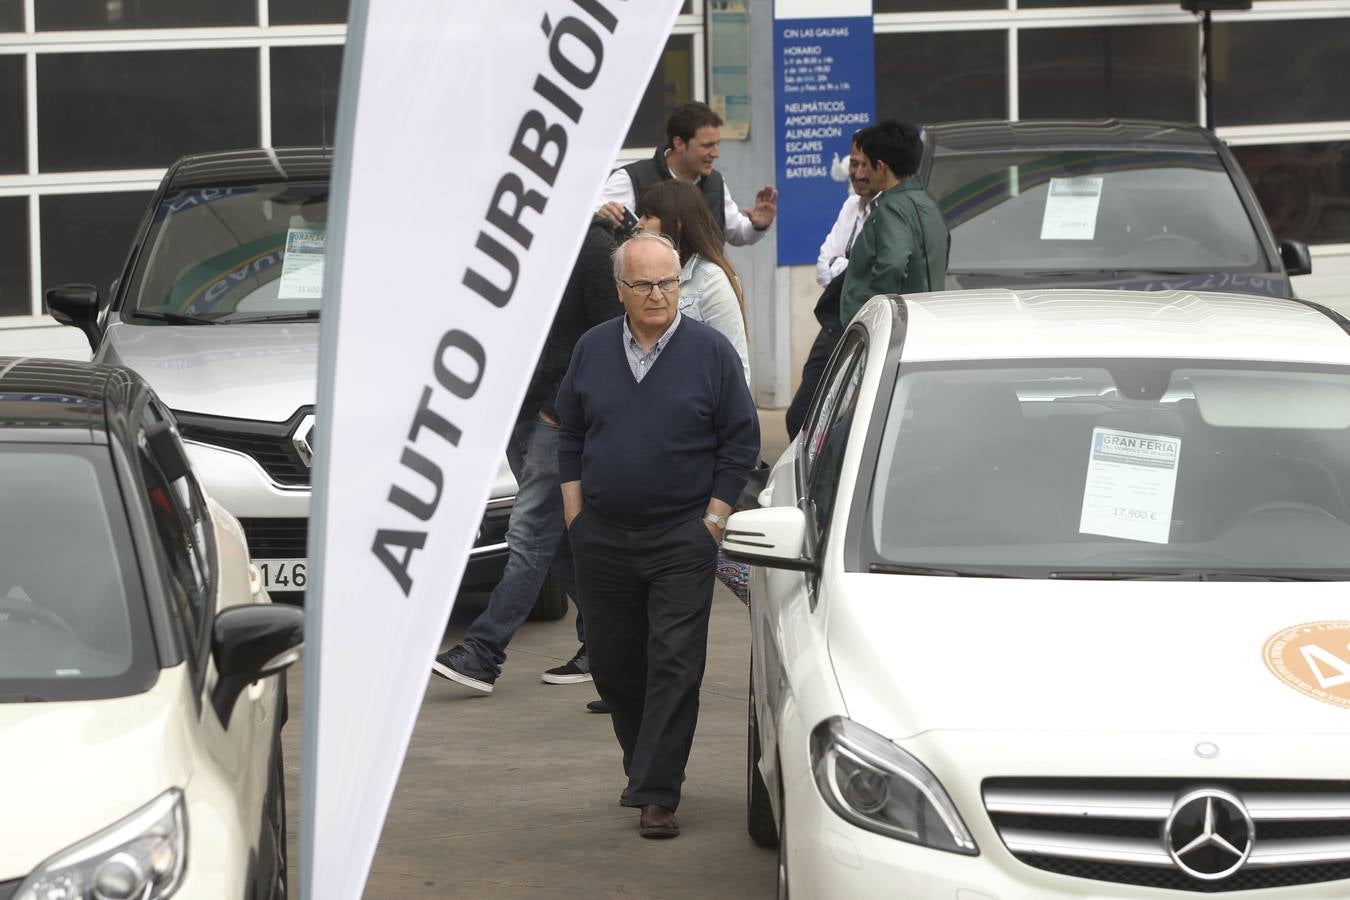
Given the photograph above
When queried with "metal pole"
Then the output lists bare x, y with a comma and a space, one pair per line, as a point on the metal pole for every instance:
1206, 65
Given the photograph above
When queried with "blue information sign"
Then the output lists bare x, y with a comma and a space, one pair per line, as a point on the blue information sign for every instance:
824, 93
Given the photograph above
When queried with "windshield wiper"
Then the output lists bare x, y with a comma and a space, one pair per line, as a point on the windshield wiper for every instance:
297, 316
893, 569
170, 318
1141, 575
1114, 273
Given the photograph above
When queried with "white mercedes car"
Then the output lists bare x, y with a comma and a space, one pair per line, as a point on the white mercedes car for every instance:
140, 748
1047, 603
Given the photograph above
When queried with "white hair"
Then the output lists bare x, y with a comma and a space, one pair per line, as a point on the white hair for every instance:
617, 256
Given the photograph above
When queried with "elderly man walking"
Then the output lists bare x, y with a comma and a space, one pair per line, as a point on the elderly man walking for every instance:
658, 432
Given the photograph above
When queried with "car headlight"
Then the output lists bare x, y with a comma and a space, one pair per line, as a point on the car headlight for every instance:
869, 781
142, 857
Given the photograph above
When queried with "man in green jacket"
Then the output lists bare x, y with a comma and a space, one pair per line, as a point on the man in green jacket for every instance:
903, 246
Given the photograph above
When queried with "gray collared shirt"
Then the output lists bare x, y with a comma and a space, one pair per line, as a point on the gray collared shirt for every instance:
641, 363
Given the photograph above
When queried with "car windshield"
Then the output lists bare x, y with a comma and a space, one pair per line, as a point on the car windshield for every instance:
1071, 211
68, 626
234, 254
1116, 468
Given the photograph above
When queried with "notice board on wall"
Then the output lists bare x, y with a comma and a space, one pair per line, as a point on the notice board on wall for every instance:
823, 92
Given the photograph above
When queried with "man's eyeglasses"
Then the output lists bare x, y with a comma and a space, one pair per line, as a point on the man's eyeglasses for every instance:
667, 285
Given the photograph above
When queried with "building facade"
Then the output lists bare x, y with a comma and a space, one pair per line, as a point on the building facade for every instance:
97, 97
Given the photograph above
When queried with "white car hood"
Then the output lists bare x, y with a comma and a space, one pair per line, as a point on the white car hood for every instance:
70, 769
263, 372
914, 654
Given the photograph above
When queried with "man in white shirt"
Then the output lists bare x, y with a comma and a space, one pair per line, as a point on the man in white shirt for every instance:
693, 133
830, 266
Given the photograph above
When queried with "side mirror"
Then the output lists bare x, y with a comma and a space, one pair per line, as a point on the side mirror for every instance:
76, 305
251, 642
1296, 258
167, 450
774, 537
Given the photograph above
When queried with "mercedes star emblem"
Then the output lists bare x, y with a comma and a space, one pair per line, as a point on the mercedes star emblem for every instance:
1209, 834
303, 438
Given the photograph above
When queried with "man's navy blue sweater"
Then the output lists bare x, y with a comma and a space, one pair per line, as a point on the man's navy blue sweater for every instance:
654, 452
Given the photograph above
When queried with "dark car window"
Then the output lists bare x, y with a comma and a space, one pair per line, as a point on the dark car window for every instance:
73, 622
826, 434
181, 540
234, 253
1093, 210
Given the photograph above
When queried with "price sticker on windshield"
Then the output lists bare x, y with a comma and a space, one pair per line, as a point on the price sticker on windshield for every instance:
302, 267
1071, 209
1131, 483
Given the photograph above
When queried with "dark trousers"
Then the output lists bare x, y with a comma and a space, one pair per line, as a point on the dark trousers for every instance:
646, 595
812, 371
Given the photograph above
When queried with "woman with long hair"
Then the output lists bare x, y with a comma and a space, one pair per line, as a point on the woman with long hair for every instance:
709, 289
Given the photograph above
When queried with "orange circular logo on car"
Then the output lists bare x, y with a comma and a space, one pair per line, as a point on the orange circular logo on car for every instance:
1313, 658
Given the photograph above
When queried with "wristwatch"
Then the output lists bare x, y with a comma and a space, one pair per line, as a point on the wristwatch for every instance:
719, 521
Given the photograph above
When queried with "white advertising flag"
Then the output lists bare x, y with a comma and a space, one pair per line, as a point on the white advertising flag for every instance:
473, 139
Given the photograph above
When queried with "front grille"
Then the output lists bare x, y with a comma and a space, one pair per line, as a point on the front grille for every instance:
276, 538
288, 538
268, 443
1113, 830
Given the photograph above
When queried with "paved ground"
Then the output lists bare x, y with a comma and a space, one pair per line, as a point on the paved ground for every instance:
515, 795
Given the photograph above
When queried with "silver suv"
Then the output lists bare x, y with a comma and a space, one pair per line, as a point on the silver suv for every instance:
217, 307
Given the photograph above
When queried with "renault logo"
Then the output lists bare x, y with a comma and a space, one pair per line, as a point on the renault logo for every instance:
1209, 834
303, 440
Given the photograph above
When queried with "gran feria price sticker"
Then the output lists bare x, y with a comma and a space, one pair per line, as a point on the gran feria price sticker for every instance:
1131, 482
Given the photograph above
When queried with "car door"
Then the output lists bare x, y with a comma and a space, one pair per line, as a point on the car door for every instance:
790, 642
235, 754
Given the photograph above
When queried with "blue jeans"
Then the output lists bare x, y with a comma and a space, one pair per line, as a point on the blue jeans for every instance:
536, 540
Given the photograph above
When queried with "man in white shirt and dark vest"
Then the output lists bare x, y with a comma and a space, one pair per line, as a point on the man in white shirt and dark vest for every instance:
693, 136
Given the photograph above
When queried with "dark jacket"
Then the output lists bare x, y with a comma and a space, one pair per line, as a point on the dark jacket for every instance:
902, 249
652, 453
646, 172
591, 297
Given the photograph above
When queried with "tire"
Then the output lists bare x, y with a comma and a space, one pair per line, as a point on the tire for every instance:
276, 820
551, 604
783, 862
758, 810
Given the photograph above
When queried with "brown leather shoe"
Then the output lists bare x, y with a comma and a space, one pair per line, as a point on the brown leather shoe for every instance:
658, 822
623, 796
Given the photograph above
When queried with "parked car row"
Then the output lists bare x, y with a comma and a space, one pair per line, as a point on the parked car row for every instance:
1043, 601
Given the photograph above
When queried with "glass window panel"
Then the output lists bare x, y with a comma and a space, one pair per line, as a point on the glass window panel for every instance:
1141, 71
143, 109
1044, 4
942, 76
902, 6
14, 288
672, 84
1275, 72
64, 15
1304, 189
86, 237
302, 12
304, 94
11, 15
13, 106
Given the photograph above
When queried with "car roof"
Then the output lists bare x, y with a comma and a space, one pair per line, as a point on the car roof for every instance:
1103, 324
1038, 134
56, 399
252, 166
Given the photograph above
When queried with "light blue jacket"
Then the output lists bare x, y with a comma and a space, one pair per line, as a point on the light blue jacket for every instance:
707, 296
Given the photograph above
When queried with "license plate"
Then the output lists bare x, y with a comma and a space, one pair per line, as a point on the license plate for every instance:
283, 574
